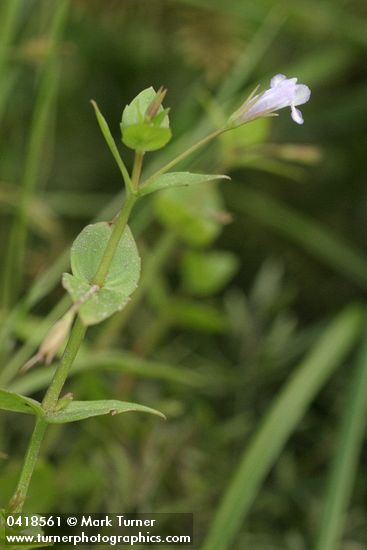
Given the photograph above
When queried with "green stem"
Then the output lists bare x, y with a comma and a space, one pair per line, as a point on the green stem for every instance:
16, 503
138, 164
114, 240
75, 340
71, 350
185, 154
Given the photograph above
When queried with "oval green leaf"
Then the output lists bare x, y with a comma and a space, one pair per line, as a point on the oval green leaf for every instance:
87, 251
95, 305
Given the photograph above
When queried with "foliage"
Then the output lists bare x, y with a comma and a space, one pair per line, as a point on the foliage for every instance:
242, 282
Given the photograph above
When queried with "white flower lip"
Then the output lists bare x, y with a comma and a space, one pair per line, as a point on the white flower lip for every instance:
283, 92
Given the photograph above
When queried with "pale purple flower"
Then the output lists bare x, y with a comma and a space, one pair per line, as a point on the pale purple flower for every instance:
283, 92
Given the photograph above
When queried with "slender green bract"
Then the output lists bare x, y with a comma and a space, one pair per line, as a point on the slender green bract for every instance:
112, 145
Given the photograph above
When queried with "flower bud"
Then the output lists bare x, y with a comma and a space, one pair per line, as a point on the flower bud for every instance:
53, 341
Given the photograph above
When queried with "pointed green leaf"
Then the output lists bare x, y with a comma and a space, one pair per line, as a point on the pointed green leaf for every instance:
177, 179
14, 402
80, 410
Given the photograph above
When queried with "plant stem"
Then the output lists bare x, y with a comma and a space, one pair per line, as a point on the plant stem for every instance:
138, 163
71, 350
30, 460
185, 154
114, 240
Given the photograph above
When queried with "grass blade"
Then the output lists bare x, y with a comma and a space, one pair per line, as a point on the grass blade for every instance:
9, 17
344, 467
41, 115
279, 423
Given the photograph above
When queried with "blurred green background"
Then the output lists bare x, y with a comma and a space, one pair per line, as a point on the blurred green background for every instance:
242, 281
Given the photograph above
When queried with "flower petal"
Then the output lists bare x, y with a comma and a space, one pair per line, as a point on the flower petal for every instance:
296, 115
277, 79
302, 94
